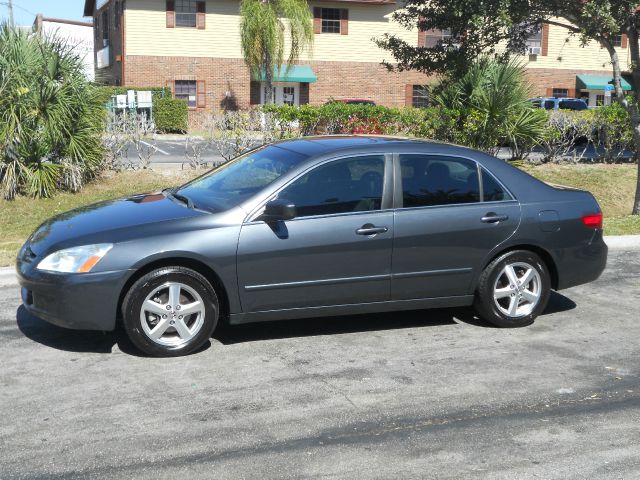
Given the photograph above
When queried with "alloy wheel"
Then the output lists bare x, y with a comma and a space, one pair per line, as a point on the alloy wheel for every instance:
172, 314
517, 289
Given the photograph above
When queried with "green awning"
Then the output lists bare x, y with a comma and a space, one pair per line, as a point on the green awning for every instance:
294, 73
598, 82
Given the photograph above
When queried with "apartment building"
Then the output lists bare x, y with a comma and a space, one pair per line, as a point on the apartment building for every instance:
193, 47
78, 35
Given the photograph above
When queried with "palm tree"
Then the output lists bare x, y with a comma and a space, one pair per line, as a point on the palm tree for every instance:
264, 35
492, 98
51, 118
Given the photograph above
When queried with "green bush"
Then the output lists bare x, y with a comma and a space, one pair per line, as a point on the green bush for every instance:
171, 115
51, 118
613, 133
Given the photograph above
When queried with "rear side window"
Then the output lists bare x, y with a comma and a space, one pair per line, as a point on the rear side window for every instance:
342, 186
492, 191
429, 180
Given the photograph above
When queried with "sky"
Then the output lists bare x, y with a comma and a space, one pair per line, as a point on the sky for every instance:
24, 11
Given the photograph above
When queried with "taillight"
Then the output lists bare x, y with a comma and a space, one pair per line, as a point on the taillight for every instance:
593, 221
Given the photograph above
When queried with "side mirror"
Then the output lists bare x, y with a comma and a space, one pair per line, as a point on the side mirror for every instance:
279, 210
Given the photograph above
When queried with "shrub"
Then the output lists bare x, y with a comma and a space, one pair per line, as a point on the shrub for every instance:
171, 115
51, 117
492, 99
613, 131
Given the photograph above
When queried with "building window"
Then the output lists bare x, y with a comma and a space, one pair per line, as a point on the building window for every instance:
420, 96
186, 11
117, 13
534, 43
330, 20
433, 38
105, 27
560, 92
599, 100
187, 90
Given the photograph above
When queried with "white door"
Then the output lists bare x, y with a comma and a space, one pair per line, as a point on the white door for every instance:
284, 93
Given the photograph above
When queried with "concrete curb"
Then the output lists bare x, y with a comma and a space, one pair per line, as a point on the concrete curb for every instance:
621, 242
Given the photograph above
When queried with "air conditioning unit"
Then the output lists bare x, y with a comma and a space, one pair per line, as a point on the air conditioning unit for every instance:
534, 50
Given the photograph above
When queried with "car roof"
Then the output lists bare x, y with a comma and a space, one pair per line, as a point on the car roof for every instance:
336, 144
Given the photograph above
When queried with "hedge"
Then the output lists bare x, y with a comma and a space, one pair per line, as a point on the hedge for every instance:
606, 128
171, 115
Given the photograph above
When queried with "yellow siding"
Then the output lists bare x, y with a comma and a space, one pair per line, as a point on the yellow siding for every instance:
565, 52
147, 33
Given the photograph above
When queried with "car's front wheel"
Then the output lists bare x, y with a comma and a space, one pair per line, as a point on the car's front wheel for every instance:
513, 289
170, 311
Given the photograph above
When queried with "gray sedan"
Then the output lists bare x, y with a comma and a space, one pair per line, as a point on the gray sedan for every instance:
315, 227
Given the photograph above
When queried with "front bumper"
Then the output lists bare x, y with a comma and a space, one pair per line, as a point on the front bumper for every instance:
87, 301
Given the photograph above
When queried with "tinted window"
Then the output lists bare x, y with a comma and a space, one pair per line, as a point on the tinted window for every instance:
341, 186
432, 180
492, 190
572, 105
549, 104
241, 178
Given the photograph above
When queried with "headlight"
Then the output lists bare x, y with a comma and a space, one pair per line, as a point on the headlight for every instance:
75, 260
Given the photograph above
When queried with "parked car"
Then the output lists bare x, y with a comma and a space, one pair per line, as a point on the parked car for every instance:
315, 227
353, 101
552, 103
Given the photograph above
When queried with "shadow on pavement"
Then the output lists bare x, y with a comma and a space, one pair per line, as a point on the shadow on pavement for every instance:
103, 342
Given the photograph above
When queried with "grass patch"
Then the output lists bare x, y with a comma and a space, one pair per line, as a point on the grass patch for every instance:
19, 218
612, 185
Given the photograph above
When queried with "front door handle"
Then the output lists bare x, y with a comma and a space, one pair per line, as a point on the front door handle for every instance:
370, 229
493, 217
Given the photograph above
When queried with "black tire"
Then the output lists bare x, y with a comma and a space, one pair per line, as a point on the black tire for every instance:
488, 308
153, 282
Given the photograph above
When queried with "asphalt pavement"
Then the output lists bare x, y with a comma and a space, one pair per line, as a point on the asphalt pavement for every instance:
428, 394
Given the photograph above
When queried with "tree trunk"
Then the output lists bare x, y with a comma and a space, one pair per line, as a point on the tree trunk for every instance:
630, 107
268, 79
634, 49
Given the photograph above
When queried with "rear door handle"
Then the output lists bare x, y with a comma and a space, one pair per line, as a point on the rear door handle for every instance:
492, 217
370, 229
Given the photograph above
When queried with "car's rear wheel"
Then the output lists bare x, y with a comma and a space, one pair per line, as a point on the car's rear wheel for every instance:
170, 311
513, 289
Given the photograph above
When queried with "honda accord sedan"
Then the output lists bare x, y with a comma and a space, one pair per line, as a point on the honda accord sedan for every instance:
315, 227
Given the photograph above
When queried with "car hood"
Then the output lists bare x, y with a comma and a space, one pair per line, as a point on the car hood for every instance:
92, 220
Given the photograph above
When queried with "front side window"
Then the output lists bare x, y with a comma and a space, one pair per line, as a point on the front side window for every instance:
186, 11
430, 180
186, 90
330, 20
342, 186
238, 180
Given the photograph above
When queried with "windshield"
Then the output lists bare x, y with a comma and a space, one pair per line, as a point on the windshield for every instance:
232, 183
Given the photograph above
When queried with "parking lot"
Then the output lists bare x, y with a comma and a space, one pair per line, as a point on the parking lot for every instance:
429, 394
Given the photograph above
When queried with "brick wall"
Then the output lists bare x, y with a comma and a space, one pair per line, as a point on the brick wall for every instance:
546, 79
228, 80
